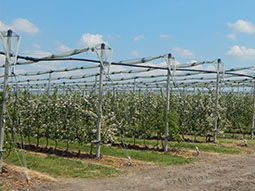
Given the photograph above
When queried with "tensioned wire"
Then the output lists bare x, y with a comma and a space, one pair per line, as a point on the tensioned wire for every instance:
31, 60
124, 79
112, 73
87, 84
148, 83
126, 63
137, 71
143, 60
55, 71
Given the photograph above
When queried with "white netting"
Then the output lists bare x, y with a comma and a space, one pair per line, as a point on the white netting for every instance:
11, 55
107, 57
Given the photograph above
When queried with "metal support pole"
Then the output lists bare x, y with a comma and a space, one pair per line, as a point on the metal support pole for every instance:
49, 83
100, 97
134, 86
167, 102
96, 83
86, 89
4, 95
64, 88
238, 89
216, 102
27, 90
253, 112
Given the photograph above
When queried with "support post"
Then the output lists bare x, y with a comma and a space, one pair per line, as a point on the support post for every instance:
100, 97
216, 102
4, 95
27, 90
167, 102
64, 88
134, 86
96, 82
253, 112
49, 84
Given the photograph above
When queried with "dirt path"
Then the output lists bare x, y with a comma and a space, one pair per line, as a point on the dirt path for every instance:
221, 173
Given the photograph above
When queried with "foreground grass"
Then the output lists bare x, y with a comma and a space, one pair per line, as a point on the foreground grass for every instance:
1, 186
224, 145
147, 156
206, 147
61, 167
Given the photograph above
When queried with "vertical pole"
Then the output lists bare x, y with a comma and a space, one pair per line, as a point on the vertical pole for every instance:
96, 82
64, 88
253, 112
216, 102
238, 85
113, 91
100, 97
4, 95
27, 90
134, 86
49, 83
85, 92
167, 102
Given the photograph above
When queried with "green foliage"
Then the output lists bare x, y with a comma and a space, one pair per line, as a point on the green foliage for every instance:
60, 167
72, 116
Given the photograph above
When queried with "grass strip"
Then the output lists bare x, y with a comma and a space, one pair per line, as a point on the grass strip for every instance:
62, 167
148, 156
206, 147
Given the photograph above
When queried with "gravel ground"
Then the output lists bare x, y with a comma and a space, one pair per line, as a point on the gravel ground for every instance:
212, 173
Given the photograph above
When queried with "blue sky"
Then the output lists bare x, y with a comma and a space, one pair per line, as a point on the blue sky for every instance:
191, 30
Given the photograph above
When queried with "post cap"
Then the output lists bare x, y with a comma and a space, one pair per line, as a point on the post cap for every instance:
9, 33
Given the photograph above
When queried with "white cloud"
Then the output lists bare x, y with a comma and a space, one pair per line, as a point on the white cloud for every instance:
20, 25
242, 52
231, 36
164, 36
3, 27
91, 40
135, 53
24, 25
37, 46
242, 26
137, 38
39, 53
110, 37
183, 52
61, 47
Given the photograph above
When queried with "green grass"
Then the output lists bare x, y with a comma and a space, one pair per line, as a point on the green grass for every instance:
61, 167
1, 186
207, 147
148, 156
56, 166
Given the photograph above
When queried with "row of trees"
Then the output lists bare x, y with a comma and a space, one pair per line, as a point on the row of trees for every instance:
72, 117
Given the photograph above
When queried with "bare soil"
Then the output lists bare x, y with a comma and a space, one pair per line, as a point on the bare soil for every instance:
14, 177
212, 173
